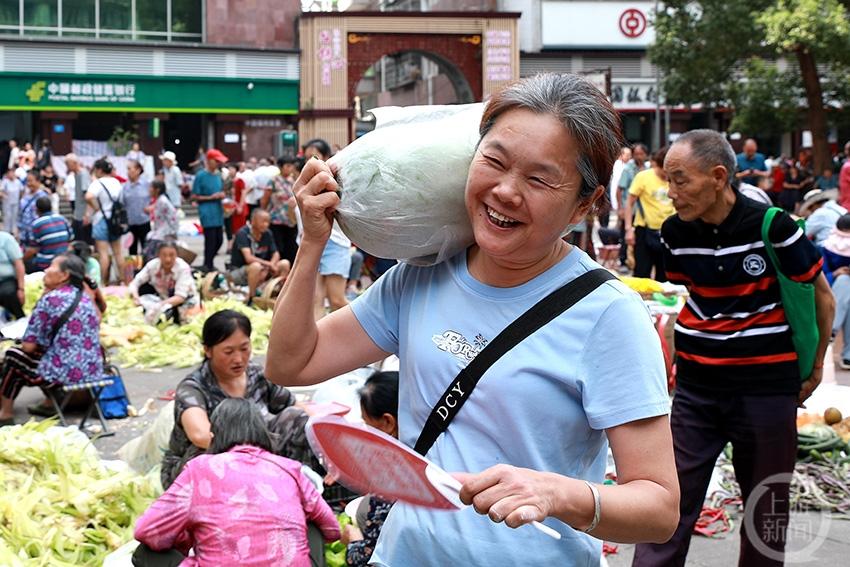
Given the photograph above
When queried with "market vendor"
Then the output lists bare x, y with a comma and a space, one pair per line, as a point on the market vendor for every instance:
61, 344
165, 286
254, 258
227, 372
534, 433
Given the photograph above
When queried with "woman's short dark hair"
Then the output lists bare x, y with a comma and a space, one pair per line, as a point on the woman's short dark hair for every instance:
222, 324
659, 155
103, 165
379, 395
321, 145
158, 187
237, 421
75, 268
80, 248
843, 222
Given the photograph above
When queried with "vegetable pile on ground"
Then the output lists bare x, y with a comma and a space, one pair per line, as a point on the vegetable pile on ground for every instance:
821, 479
59, 504
146, 346
335, 551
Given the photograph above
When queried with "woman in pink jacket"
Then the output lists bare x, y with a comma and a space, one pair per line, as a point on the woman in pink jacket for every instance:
239, 504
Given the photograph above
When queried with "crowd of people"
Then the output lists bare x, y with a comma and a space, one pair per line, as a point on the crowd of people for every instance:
639, 193
248, 205
692, 213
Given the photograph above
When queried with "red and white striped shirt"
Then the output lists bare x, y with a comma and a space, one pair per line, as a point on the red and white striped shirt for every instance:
732, 334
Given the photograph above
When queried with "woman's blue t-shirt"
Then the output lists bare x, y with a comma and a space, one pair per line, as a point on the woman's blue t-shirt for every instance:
543, 406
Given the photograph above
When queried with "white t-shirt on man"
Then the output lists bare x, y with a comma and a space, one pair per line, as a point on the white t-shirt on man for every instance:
98, 189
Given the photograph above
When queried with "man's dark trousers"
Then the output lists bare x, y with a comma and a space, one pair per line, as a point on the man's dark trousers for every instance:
763, 433
213, 239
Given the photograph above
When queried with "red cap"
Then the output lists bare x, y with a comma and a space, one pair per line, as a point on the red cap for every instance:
216, 155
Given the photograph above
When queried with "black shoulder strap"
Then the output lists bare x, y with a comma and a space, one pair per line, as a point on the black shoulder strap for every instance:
536, 317
99, 204
60, 322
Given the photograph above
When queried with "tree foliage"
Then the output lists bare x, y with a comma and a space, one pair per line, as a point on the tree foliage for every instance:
767, 101
819, 26
722, 53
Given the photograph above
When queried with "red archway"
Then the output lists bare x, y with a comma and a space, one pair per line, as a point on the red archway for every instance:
464, 52
480, 49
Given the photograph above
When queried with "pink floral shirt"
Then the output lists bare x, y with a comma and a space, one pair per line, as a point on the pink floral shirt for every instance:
244, 507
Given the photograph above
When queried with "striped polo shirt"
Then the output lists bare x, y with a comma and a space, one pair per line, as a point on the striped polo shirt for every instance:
732, 334
51, 234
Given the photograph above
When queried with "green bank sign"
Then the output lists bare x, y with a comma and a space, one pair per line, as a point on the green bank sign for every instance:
115, 93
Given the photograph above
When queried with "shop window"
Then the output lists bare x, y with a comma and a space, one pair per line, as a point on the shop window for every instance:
78, 14
152, 36
113, 34
152, 15
42, 32
9, 12
77, 33
114, 15
633, 127
41, 13
186, 17
185, 38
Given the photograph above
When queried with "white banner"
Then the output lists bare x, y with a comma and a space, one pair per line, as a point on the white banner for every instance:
597, 24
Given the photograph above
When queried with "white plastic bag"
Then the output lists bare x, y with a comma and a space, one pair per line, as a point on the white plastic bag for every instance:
146, 451
402, 185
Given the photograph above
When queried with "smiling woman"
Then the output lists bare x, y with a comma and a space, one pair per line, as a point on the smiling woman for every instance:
593, 375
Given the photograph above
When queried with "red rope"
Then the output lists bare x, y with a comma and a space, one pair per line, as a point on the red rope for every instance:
712, 522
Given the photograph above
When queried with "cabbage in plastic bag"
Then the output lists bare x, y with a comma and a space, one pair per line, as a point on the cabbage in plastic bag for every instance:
403, 183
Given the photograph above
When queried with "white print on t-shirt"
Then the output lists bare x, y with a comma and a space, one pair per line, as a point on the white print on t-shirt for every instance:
457, 345
754, 265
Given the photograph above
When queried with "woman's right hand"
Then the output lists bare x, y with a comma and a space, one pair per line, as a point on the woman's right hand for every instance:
315, 191
350, 534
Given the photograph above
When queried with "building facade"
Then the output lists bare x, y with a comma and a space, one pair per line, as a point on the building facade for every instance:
91, 76
607, 40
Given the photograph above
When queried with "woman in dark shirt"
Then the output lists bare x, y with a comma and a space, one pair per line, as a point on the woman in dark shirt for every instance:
227, 372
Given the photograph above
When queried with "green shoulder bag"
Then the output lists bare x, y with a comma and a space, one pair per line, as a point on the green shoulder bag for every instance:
798, 300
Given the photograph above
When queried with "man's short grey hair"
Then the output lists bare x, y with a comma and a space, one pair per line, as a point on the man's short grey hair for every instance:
583, 110
709, 149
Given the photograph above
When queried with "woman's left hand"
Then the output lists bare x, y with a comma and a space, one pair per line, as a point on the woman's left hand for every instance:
510, 494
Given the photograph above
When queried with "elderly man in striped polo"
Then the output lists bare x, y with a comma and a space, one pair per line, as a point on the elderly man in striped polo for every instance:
738, 378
